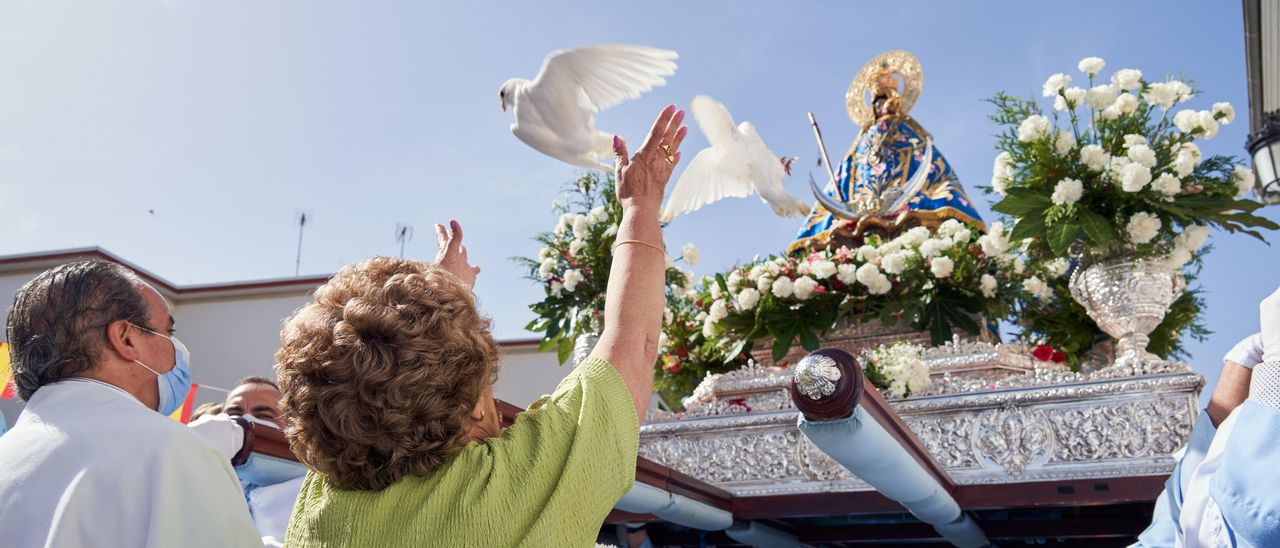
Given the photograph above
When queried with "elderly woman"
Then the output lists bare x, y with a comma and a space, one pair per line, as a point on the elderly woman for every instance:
388, 390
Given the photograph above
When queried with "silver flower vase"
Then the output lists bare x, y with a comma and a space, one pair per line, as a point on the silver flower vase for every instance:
583, 346
1128, 299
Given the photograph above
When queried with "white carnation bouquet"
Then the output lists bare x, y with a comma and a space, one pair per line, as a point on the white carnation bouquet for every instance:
573, 265
898, 370
1116, 167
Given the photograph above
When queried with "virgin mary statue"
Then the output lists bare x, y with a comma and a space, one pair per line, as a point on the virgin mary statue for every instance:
893, 177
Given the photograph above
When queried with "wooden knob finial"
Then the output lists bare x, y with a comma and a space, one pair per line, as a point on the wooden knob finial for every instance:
827, 384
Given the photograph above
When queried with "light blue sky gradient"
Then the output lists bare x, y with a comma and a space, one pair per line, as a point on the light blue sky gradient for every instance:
227, 117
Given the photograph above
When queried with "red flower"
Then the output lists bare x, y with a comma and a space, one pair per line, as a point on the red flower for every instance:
1046, 353
682, 352
673, 368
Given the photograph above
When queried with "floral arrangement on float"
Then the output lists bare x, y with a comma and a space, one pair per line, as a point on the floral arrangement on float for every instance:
931, 281
573, 266
1113, 177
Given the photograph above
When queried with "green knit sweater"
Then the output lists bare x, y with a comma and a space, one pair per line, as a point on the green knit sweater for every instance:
548, 480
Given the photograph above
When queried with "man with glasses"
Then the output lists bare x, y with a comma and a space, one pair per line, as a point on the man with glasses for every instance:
93, 460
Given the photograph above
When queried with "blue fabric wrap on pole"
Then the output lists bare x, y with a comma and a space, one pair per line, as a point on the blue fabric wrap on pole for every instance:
864, 447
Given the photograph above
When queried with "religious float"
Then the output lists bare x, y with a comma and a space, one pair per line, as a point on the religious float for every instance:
856, 390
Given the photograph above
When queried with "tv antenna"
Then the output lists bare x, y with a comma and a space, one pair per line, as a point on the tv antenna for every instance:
404, 233
302, 216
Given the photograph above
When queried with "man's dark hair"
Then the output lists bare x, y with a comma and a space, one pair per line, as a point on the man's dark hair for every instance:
56, 326
255, 379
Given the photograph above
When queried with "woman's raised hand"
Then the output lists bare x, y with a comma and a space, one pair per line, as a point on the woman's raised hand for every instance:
642, 178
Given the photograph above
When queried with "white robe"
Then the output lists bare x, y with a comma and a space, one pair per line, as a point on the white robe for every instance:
1233, 499
1165, 531
1200, 519
88, 465
271, 506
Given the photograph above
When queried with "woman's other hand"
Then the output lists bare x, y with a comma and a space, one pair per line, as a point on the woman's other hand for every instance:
452, 255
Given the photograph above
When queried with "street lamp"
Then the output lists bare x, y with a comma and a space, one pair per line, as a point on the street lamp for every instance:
1264, 147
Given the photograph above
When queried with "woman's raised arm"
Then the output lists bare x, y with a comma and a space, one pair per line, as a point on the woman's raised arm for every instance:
635, 296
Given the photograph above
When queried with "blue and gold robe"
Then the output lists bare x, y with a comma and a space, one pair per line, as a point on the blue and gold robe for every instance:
883, 157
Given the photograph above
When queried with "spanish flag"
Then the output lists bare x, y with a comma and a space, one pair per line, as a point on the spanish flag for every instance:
6, 372
183, 414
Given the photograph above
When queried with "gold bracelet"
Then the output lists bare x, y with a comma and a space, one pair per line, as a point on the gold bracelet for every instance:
641, 242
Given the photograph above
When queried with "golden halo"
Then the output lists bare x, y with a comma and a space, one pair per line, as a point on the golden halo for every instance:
899, 62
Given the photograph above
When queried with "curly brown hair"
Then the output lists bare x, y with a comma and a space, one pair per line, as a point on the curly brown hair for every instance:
380, 373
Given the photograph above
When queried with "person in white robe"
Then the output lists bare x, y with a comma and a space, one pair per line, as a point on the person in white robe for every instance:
93, 460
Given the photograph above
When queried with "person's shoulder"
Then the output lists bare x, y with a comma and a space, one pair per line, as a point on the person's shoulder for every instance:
178, 437
158, 435
596, 369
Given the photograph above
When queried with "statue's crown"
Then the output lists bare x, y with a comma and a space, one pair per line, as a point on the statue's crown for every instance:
886, 84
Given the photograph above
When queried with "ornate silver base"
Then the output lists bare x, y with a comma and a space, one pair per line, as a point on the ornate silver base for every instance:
1040, 425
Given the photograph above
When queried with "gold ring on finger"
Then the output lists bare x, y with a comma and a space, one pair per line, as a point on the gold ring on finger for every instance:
666, 149
671, 159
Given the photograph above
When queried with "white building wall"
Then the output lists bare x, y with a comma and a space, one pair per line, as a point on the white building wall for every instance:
527, 374
230, 339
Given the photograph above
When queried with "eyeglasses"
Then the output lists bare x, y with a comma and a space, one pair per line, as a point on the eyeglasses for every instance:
151, 331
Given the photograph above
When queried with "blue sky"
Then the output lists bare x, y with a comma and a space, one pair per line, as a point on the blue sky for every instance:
228, 117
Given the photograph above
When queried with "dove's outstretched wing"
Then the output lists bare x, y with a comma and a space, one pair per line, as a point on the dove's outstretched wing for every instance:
555, 113
716, 172
598, 77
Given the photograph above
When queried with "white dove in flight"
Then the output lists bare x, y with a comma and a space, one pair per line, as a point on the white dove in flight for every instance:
556, 112
736, 164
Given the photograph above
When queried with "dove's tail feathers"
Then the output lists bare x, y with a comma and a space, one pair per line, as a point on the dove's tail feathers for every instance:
593, 162
603, 145
589, 161
789, 206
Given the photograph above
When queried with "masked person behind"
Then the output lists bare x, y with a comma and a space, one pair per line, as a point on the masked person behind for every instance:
93, 460
270, 483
